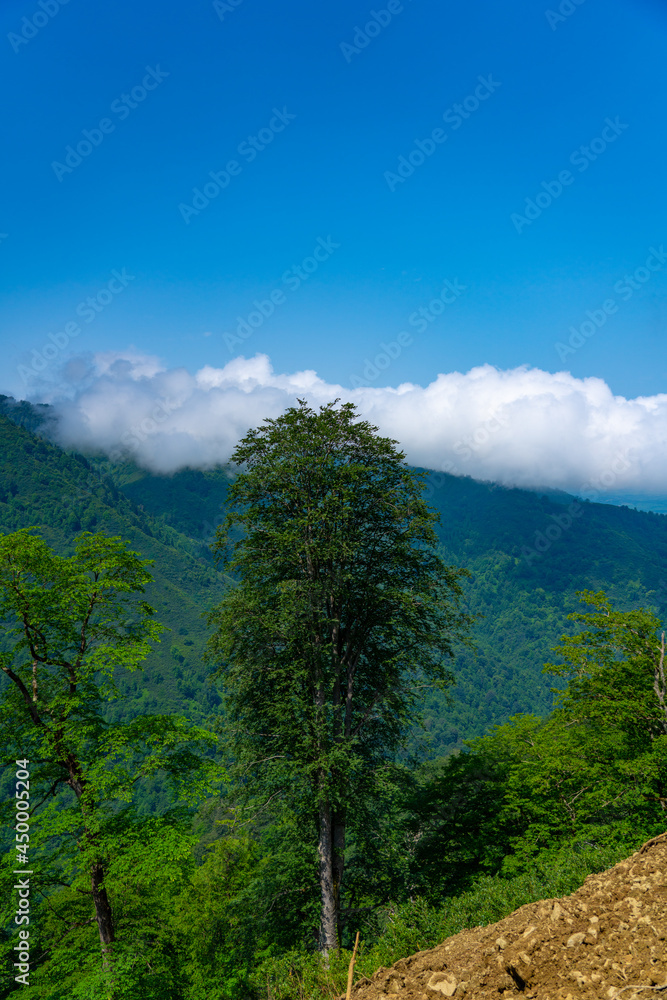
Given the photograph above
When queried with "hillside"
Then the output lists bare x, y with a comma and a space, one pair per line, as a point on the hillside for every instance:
527, 554
523, 595
62, 494
605, 940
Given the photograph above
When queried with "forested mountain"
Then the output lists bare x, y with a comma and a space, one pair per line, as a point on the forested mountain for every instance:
64, 494
527, 553
525, 571
210, 857
523, 594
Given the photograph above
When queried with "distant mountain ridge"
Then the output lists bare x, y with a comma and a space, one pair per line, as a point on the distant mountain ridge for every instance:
528, 552
640, 501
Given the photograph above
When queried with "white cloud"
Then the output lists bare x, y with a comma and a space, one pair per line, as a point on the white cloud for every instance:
522, 427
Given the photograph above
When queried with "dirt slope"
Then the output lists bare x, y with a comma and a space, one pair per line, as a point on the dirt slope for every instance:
608, 939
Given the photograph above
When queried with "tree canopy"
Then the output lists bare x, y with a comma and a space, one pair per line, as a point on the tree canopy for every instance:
72, 623
343, 610
592, 775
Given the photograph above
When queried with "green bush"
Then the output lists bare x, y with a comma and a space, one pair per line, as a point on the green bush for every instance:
417, 926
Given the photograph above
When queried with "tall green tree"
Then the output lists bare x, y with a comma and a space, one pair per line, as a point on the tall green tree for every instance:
71, 623
342, 611
593, 775
596, 771
615, 704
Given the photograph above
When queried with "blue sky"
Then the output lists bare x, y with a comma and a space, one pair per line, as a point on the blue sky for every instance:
341, 94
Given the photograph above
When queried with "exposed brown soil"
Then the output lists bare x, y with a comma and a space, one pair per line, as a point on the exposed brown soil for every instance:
608, 939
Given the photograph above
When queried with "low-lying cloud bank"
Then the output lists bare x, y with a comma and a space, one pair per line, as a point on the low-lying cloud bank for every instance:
523, 427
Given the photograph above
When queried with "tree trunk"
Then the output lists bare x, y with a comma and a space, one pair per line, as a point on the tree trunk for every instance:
328, 923
102, 908
103, 913
338, 865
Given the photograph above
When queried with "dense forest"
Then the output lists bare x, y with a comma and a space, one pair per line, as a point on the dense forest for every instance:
497, 790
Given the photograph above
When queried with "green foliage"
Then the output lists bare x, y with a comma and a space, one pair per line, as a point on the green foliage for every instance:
338, 572
71, 624
593, 773
417, 925
525, 602
149, 866
72, 614
226, 903
343, 605
456, 812
216, 920
65, 493
482, 527
300, 975
598, 767
76, 624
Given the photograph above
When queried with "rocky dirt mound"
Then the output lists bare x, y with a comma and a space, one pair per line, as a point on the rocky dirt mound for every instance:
608, 939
